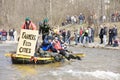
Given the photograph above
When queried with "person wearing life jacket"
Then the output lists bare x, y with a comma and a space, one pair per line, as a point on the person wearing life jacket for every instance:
47, 47
28, 24
58, 48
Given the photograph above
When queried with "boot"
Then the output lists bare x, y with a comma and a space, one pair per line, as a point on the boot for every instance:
77, 57
74, 57
68, 58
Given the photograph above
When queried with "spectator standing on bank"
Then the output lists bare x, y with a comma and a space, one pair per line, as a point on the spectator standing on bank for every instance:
73, 19
15, 35
68, 19
81, 18
4, 35
0, 35
92, 34
68, 36
110, 36
103, 18
101, 34
64, 35
11, 34
76, 36
90, 19
105, 35
86, 39
89, 34
80, 35
114, 32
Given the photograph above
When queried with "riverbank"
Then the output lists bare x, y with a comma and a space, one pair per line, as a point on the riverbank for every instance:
97, 45
8, 42
88, 45
94, 45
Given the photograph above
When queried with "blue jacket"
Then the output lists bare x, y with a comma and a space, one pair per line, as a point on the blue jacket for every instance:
46, 47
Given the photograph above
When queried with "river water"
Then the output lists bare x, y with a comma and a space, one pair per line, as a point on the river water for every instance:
98, 64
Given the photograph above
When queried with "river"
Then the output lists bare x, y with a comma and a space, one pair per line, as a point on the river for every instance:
98, 64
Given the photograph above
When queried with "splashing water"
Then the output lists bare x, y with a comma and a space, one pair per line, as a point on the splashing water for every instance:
106, 75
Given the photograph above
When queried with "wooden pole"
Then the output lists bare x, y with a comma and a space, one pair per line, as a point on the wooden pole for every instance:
51, 12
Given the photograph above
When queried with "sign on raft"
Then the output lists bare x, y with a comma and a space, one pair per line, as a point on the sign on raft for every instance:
27, 42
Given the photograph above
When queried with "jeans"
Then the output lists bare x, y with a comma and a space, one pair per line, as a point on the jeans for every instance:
104, 39
11, 38
76, 40
80, 38
86, 39
110, 40
101, 40
90, 39
68, 39
114, 37
81, 21
4, 38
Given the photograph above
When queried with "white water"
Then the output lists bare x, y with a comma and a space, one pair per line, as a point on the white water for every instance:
105, 75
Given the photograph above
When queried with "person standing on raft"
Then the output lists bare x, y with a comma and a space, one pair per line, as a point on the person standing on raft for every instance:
29, 24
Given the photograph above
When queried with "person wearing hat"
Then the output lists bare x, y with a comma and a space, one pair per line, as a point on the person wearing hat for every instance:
58, 48
45, 28
28, 24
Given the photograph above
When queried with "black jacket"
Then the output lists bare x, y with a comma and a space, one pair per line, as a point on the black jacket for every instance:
101, 33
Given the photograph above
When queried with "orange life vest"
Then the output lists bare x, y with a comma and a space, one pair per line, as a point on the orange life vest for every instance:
31, 26
57, 45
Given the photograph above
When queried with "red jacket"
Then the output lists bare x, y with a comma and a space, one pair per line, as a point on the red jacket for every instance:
81, 32
57, 45
31, 26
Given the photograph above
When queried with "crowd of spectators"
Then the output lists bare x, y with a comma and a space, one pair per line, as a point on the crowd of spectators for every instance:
85, 35
115, 17
10, 35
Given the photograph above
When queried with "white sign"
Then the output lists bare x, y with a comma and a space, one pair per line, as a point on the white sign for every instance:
27, 42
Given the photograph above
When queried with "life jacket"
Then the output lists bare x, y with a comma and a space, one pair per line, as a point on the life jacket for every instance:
31, 26
57, 45
81, 32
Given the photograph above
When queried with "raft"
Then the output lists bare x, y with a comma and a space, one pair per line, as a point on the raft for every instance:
25, 59
27, 53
